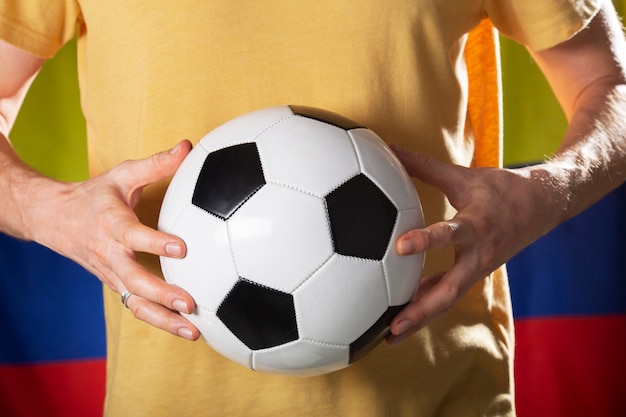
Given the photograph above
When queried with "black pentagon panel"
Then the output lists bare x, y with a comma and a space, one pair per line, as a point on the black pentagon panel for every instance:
228, 178
361, 217
259, 316
374, 335
325, 116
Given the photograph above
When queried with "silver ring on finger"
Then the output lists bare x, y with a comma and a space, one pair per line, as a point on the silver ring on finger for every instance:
125, 296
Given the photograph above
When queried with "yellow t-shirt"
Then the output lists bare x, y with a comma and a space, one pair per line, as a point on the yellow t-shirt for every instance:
152, 73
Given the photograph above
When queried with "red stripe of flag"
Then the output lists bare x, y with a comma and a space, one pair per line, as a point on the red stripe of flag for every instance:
69, 389
571, 366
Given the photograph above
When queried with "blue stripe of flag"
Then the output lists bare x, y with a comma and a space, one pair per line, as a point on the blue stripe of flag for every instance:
577, 269
50, 308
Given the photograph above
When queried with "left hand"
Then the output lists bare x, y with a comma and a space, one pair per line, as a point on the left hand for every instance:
499, 212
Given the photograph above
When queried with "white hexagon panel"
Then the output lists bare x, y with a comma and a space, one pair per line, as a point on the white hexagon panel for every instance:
280, 237
304, 154
345, 287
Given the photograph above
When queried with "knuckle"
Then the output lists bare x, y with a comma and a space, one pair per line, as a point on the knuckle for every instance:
137, 309
97, 254
145, 311
124, 166
163, 297
132, 283
450, 294
450, 230
420, 316
127, 237
481, 226
421, 159
120, 172
158, 244
154, 162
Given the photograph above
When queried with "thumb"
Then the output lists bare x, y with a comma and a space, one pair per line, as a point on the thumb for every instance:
162, 165
133, 176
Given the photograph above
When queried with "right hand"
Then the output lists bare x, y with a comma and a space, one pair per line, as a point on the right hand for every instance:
93, 223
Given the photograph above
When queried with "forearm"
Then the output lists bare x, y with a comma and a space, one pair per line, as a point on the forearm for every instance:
591, 160
23, 192
588, 76
19, 185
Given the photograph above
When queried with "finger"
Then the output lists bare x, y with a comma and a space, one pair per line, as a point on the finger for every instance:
106, 275
446, 177
164, 164
142, 283
141, 238
434, 298
436, 236
419, 313
161, 317
425, 285
136, 174
153, 300
431, 302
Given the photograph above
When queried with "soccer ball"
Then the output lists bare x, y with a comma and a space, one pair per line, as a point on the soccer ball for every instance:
290, 216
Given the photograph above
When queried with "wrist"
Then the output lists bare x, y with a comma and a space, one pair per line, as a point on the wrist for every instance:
553, 184
30, 200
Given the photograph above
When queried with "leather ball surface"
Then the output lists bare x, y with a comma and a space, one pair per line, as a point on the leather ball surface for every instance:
290, 216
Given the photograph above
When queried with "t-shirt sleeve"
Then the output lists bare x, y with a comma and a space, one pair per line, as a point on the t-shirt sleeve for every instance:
39, 27
541, 24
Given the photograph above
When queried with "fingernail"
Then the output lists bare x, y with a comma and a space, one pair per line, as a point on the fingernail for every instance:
398, 149
180, 306
408, 247
403, 326
175, 149
396, 340
185, 333
173, 249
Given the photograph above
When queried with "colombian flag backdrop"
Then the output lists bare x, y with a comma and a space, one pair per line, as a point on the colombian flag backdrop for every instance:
568, 289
